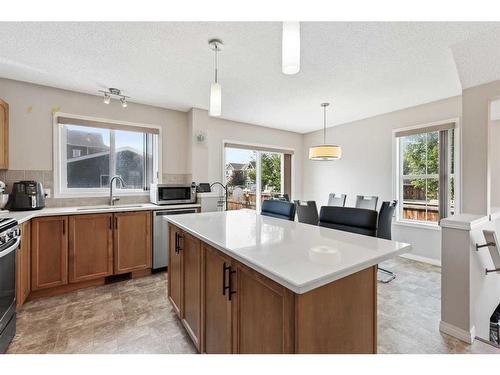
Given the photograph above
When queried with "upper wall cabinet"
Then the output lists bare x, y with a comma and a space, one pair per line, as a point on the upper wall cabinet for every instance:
4, 135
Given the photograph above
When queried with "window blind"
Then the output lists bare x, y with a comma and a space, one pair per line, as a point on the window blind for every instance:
106, 125
428, 129
258, 148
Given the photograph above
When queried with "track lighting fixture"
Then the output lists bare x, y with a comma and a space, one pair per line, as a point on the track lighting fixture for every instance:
108, 94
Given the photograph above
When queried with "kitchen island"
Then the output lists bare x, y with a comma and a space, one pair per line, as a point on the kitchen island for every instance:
246, 283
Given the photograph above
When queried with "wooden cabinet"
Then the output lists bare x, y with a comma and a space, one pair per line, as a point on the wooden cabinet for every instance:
132, 241
191, 286
263, 313
216, 304
4, 135
49, 252
175, 269
23, 277
90, 247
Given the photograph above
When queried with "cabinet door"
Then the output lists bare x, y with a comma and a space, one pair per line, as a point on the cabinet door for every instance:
90, 247
190, 247
217, 306
175, 270
4, 135
263, 314
23, 277
132, 241
49, 252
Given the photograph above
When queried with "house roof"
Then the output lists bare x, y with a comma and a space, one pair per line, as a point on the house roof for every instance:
86, 139
103, 153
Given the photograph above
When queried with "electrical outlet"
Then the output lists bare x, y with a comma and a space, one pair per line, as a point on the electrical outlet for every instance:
47, 192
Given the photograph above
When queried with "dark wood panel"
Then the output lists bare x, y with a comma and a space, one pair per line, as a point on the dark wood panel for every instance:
90, 247
49, 252
174, 271
263, 313
339, 317
217, 307
191, 286
132, 241
23, 261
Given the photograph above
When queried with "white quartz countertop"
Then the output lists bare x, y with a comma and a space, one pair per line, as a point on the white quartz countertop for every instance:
299, 256
22, 216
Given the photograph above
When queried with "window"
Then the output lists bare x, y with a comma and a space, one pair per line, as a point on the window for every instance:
254, 174
426, 167
89, 153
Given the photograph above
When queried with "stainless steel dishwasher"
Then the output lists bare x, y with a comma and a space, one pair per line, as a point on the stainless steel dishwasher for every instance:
160, 235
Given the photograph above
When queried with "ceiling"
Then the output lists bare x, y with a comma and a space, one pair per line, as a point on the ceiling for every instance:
363, 69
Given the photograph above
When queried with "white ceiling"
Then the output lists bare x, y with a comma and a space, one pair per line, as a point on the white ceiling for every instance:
363, 69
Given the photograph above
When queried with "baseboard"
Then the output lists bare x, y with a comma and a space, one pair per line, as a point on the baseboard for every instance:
458, 333
422, 259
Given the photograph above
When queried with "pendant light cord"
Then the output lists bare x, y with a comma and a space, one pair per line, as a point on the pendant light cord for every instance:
216, 63
324, 125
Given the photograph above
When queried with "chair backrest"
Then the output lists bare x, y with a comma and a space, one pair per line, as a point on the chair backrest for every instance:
349, 219
279, 209
337, 200
384, 228
367, 202
307, 213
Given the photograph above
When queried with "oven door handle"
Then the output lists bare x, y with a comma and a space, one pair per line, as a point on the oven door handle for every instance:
11, 248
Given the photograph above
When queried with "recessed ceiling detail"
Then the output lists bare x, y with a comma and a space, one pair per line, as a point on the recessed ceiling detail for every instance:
365, 68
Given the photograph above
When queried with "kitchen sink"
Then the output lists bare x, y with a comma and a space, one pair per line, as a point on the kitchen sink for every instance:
95, 208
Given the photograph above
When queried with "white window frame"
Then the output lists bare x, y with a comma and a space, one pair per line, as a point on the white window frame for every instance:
258, 182
397, 172
60, 156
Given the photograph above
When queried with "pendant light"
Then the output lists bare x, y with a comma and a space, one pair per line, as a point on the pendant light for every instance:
290, 48
325, 151
216, 45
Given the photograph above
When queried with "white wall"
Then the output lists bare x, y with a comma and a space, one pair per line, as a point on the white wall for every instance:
30, 130
207, 158
494, 144
366, 164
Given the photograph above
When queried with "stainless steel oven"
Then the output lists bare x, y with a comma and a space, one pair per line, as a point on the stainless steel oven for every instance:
162, 194
10, 237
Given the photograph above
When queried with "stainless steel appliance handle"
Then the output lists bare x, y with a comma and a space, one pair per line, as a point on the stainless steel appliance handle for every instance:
11, 248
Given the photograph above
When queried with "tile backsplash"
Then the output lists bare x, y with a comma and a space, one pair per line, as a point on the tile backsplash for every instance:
46, 177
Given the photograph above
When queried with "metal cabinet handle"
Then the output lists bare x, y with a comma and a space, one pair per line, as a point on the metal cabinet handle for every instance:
230, 286
116, 222
110, 223
179, 247
224, 286
176, 243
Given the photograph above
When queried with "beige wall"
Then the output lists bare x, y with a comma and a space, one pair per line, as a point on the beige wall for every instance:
207, 158
475, 169
495, 164
366, 166
31, 109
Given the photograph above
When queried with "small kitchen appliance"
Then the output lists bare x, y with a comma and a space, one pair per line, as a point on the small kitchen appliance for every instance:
26, 195
163, 194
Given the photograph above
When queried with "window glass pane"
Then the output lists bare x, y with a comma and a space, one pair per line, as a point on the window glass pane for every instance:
130, 161
240, 177
414, 149
432, 153
270, 177
414, 199
87, 156
432, 200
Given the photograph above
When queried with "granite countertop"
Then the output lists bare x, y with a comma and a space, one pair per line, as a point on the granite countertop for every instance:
299, 256
22, 216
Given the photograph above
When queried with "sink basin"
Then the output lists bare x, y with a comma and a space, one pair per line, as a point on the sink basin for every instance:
95, 208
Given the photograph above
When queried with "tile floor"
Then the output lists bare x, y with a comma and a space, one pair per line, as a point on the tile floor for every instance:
134, 316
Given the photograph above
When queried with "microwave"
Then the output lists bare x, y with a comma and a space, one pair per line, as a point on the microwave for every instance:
162, 194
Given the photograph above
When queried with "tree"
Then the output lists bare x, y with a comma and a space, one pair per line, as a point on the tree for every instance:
238, 178
271, 171
421, 157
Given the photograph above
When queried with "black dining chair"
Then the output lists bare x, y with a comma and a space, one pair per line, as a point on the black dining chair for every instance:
278, 209
367, 202
384, 230
307, 212
349, 219
337, 200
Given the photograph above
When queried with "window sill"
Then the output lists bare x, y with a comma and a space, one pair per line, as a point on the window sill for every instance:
417, 224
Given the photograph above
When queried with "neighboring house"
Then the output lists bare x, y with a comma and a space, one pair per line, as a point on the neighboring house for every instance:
92, 171
82, 143
231, 168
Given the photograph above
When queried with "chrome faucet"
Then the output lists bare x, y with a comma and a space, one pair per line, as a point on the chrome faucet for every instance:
112, 199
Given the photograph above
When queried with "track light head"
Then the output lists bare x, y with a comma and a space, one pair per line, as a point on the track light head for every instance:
107, 98
123, 100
